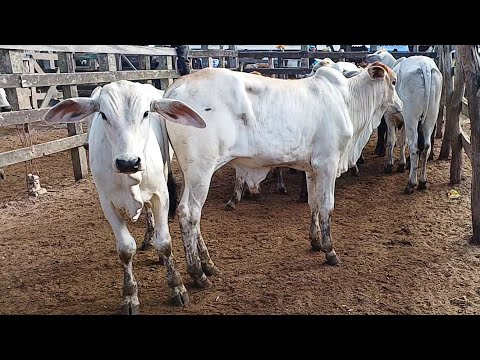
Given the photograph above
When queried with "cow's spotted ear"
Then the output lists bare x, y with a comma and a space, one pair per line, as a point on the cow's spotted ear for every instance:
376, 71
178, 112
71, 110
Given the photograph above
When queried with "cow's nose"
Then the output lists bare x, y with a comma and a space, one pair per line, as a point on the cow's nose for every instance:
6, 108
128, 166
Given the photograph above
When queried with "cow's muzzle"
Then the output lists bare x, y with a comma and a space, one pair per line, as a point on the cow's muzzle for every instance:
128, 166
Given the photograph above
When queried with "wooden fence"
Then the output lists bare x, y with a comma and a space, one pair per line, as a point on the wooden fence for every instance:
34, 74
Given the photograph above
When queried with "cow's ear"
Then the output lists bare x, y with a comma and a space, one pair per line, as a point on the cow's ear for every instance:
178, 112
71, 110
376, 71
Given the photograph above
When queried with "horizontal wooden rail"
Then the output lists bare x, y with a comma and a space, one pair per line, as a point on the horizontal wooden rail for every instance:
36, 151
22, 116
213, 53
100, 49
336, 55
29, 80
280, 71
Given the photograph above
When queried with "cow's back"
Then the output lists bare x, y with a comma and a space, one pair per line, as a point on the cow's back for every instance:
252, 116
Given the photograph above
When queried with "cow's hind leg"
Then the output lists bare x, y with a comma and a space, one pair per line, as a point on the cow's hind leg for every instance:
148, 238
126, 248
321, 188
237, 192
303, 188
391, 139
163, 243
195, 191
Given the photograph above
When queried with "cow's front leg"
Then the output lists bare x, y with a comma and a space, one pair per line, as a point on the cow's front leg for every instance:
126, 248
321, 188
163, 243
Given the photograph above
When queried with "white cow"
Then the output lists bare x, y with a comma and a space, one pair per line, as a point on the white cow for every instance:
319, 124
419, 86
128, 151
4, 104
343, 66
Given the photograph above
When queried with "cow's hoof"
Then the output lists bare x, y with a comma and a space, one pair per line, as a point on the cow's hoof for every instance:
332, 258
422, 185
401, 168
180, 299
130, 309
387, 169
409, 189
230, 206
202, 284
315, 246
210, 271
282, 190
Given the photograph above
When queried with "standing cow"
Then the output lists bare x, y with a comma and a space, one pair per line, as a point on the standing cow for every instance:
419, 86
319, 124
128, 153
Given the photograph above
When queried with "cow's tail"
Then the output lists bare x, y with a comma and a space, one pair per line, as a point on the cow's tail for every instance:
427, 77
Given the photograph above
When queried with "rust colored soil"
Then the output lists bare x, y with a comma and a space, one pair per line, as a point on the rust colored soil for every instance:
400, 254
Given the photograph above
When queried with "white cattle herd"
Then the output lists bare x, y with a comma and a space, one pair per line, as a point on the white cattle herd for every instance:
213, 117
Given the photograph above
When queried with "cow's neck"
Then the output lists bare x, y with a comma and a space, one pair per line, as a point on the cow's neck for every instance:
365, 102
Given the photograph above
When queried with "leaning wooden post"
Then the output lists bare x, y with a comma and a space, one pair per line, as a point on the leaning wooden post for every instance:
439, 130
66, 63
453, 118
470, 60
448, 87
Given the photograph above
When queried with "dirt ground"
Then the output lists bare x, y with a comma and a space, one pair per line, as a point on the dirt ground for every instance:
400, 254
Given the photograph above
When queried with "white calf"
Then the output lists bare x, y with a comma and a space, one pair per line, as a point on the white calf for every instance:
128, 151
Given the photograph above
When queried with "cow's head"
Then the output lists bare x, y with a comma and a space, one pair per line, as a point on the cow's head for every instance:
382, 56
124, 109
387, 78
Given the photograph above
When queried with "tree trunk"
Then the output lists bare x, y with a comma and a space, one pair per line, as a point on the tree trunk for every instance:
439, 132
448, 87
470, 59
453, 113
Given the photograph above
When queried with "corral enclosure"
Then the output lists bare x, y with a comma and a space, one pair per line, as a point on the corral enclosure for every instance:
401, 254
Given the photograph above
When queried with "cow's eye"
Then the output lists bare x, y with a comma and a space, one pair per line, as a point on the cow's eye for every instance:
145, 115
394, 82
104, 117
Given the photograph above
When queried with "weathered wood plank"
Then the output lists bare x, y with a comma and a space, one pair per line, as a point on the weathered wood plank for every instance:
10, 80
446, 61
212, 53
66, 63
454, 107
293, 54
93, 49
28, 80
278, 71
22, 117
11, 62
469, 57
36, 151
43, 56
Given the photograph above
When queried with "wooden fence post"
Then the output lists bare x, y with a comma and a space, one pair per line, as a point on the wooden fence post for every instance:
453, 111
470, 60
165, 63
448, 87
439, 129
11, 62
66, 63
